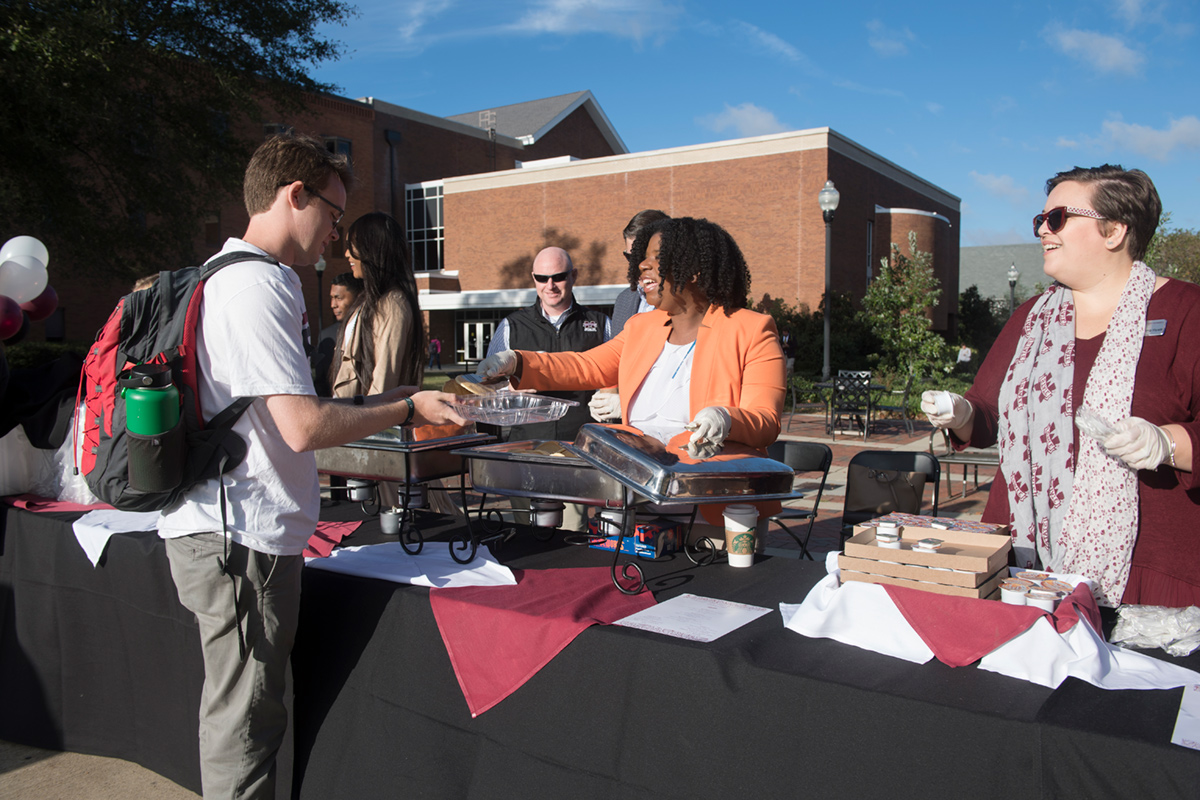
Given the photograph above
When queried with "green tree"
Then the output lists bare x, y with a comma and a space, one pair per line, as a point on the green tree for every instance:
1175, 252
980, 319
121, 117
896, 307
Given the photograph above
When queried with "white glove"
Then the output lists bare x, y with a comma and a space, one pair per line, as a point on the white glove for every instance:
499, 365
947, 410
709, 429
1140, 444
605, 406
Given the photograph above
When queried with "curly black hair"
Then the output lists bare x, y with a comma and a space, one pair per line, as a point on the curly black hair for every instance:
696, 248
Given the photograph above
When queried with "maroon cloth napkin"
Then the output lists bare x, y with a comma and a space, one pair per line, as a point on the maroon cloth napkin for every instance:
962, 630
327, 535
31, 502
498, 637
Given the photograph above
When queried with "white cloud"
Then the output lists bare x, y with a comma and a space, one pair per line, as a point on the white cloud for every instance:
746, 120
934, 108
772, 44
1070, 144
887, 42
858, 87
634, 19
1104, 53
1002, 186
1182, 134
418, 13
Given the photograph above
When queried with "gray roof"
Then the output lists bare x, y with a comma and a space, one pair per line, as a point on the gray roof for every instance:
987, 268
531, 121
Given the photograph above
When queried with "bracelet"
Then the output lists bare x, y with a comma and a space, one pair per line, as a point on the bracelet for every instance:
1170, 439
412, 412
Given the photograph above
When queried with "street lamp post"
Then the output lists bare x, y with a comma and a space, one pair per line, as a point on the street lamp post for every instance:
828, 198
320, 268
1013, 274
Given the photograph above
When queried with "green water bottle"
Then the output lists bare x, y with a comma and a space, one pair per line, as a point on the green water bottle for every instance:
151, 399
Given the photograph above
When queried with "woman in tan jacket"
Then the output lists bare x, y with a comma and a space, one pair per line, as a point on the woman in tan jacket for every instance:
382, 344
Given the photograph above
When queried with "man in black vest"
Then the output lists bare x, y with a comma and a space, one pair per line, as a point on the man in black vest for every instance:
555, 323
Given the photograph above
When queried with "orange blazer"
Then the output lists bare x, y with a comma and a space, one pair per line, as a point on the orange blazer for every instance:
738, 365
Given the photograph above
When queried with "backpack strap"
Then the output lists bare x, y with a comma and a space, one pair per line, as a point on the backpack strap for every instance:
220, 262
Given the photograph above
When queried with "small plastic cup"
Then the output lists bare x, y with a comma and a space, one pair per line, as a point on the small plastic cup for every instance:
389, 522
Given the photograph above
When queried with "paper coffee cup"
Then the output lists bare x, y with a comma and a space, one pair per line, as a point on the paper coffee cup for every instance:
741, 522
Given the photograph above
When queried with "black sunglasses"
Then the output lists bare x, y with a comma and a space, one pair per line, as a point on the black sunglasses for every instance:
1056, 218
557, 277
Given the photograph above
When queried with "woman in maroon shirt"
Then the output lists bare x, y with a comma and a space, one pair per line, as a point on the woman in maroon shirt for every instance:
1110, 335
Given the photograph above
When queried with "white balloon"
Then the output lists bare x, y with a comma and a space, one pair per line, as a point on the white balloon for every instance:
22, 277
25, 246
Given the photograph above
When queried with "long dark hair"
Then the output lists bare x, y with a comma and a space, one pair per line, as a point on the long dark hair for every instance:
378, 241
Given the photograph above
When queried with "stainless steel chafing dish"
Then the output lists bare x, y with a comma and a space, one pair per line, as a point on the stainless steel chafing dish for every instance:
520, 469
393, 455
647, 467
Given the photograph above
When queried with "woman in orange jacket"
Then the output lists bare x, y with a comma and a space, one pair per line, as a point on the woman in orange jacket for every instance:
699, 371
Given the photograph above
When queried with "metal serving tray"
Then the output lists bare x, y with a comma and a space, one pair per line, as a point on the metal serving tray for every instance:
390, 454
517, 469
647, 467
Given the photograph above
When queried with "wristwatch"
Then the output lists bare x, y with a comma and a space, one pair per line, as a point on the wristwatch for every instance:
359, 399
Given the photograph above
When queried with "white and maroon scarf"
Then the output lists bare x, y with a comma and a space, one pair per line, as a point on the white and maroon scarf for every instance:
1073, 517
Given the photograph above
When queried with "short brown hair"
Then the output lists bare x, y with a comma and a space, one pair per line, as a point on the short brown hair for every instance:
288, 157
1120, 195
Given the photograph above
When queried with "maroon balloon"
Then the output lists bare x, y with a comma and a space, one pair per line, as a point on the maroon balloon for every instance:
11, 316
41, 306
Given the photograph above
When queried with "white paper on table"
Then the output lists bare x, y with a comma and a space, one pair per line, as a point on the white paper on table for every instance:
93, 529
433, 567
1187, 724
689, 616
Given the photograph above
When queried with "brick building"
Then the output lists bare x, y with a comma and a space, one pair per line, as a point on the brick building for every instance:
480, 193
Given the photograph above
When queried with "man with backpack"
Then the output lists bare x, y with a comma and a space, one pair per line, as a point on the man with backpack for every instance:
236, 564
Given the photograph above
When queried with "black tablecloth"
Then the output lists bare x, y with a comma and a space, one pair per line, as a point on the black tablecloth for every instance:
105, 661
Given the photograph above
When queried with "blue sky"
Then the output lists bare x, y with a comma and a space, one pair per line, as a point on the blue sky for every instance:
986, 101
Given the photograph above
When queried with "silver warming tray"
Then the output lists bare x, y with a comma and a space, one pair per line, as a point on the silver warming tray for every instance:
519, 469
392, 455
650, 469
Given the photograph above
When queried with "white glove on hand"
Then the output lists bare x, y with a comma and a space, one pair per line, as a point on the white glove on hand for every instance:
605, 406
499, 365
947, 410
709, 429
1140, 444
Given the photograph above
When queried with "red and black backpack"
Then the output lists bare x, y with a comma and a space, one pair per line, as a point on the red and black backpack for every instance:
154, 326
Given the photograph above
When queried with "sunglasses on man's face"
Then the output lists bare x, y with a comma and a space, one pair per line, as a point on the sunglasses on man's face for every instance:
557, 277
1056, 218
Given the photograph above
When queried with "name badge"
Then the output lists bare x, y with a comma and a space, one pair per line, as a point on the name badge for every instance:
1156, 327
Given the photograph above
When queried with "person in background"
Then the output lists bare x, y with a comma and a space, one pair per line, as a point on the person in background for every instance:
343, 297
235, 555
382, 342
435, 353
697, 372
555, 323
605, 405
1110, 340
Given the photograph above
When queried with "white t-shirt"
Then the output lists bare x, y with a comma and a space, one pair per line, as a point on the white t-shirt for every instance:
661, 406
250, 344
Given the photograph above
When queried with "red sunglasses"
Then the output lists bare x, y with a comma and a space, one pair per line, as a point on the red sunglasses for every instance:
1055, 218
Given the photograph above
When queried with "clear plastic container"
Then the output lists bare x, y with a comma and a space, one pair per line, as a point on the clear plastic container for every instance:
511, 408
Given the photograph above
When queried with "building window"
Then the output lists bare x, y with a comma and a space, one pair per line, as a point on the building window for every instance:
212, 229
275, 129
337, 145
423, 220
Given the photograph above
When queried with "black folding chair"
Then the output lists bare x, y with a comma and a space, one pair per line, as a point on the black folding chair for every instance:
890, 461
801, 457
852, 400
